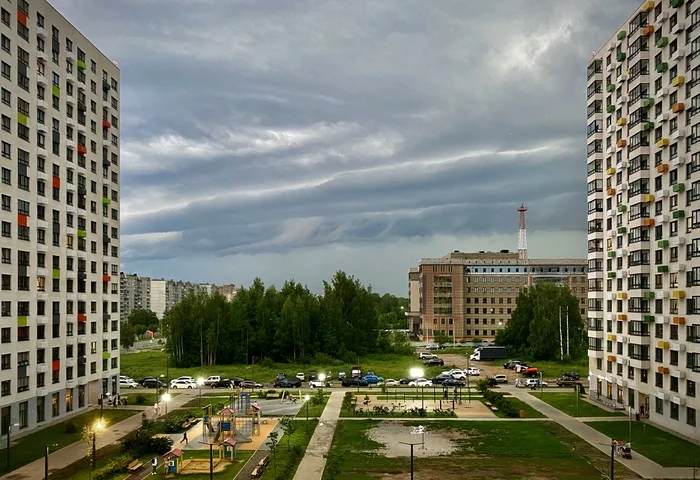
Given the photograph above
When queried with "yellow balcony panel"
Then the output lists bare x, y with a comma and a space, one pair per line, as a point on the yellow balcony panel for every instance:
662, 370
621, 122
663, 168
612, 358
648, 6
621, 143
662, 143
648, 198
679, 294
648, 222
679, 320
612, 338
678, 107
664, 345
622, 295
611, 191
610, 171
622, 316
678, 81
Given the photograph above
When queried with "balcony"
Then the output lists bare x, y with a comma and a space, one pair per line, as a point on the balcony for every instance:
611, 108
648, 30
82, 151
82, 318
56, 274
662, 143
621, 296
106, 125
680, 133
679, 187
678, 81
662, 370
612, 254
621, 143
82, 233
611, 191
662, 118
677, 3
679, 214
680, 294
648, 126
81, 66
622, 78
622, 122
662, 269
662, 244
663, 168
621, 56
106, 239
649, 295
662, 67
648, 102
622, 208
612, 358
678, 54
677, 28
106, 201
678, 320
621, 35
612, 274
678, 107
106, 278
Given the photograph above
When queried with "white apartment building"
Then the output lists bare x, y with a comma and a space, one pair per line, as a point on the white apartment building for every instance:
644, 215
59, 166
134, 294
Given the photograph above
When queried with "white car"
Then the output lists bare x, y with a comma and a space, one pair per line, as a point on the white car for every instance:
500, 378
183, 384
178, 379
390, 382
421, 382
316, 384
533, 382
456, 373
475, 372
127, 383
301, 376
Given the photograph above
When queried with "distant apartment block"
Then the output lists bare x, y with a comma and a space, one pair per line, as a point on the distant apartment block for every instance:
135, 294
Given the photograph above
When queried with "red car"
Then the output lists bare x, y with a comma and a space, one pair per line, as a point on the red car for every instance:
531, 372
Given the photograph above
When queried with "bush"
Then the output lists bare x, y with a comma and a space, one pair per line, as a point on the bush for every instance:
71, 428
317, 398
174, 420
348, 402
267, 363
144, 444
141, 399
499, 401
477, 340
115, 465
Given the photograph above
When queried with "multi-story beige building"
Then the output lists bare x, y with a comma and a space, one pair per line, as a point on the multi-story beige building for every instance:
643, 192
134, 294
59, 133
469, 295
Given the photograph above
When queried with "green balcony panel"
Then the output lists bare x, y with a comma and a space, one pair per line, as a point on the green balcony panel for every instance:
662, 67
648, 318
621, 35
22, 321
621, 56
663, 244
56, 273
621, 229
677, 3
649, 126
612, 274
648, 294
82, 234
612, 253
611, 108
81, 65
662, 269
611, 88
56, 90
679, 214
22, 119
105, 355
106, 201
622, 208
679, 187
648, 102
662, 42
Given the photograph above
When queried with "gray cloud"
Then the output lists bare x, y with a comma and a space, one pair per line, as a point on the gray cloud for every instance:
261, 128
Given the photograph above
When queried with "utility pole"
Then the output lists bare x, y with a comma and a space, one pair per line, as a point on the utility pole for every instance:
561, 340
568, 351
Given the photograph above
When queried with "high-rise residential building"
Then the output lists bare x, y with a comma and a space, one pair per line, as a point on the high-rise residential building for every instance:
59, 132
643, 192
134, 294
470, 295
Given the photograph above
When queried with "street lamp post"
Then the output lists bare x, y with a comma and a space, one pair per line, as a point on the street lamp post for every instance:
200, 382
9, 428
306, 400
96, 427
420, 430
166, 399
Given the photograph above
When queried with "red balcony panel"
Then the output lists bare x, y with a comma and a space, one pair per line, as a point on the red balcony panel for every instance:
55, 365
82, 318
106, 124
21, 17
56, 182
106, 278
22, 220
82, 150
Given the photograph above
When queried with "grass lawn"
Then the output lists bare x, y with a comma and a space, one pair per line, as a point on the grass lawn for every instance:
27, 449
655, 444
149, 398
315, 411
519, 406
152, 363
487, 450
566, 402
284, 461
551, 370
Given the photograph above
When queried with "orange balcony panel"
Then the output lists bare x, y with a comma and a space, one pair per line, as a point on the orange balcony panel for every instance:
678, 107
22, 220
82, 150
621, 143
662, 370
106, 124
21, 17
649, 222
648, 30
106, 278
56, 182
679, 320
662, 168
612, 358
611, 191
622, 316
82, 318
55, 365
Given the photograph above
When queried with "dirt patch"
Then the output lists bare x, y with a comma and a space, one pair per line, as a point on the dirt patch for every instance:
391, 434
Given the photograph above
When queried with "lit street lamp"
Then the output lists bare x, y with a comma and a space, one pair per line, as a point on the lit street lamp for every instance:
200, 382
166, 399
99, 425
307, 397
9, 428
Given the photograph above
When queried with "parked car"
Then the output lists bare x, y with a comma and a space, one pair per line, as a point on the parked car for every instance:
565, 381
313, 375
252, 384
188, 379
372, 379
473, 371
535, 382
500, 378
573, 375
237, 381
390, 382
453, 382
530, 372
520, 367
457, 374
426, 355
316, 384
407, 380
225, 383
287, 383
150, 382
212, 379
354, 382
127, 383
420, 382
434, 362
510, 364
341, 375
433, 347
440, 379
183, 384
301, 376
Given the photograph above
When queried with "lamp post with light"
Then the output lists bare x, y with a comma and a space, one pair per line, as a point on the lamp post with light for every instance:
307, 397
200, 382
9, 428
166, 399
99, 425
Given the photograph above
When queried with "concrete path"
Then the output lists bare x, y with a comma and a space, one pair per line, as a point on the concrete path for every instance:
314, 461
642, 466
76, 451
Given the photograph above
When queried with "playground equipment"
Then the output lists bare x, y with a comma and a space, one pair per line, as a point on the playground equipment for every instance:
227, 449
173, 462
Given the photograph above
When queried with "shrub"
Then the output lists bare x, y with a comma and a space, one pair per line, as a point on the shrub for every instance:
174, 420
477, 340
141, 399
267, 363
348, 402
71, 428
115, 465
144, 444
317, 398
499, 401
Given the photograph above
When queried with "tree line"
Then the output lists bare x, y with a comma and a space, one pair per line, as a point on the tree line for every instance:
288, 324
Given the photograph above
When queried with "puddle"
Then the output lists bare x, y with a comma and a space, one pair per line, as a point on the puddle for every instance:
391, 434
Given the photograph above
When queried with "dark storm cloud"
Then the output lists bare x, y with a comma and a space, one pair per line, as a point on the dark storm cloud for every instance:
268, 126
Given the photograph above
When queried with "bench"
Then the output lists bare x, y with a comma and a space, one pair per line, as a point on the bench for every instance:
494, 409
135, 465
272, 396
262, 464
489, 404
256, 473
189, 423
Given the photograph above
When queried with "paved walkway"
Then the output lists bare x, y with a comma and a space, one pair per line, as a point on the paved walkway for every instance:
76, 451
314, 461
642, 466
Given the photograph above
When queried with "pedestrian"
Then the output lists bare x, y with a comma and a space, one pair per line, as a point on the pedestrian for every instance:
154, 465
155, 408
184, 439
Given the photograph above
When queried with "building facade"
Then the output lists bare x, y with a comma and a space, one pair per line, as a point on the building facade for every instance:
59, 322
134, 294
643, 192
472, 295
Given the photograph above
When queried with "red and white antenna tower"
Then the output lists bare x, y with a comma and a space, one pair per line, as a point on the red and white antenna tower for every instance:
522, 234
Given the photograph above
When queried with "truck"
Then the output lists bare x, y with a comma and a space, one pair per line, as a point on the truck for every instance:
356, 371
488, 353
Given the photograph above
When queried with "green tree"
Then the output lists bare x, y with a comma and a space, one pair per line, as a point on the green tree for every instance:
534, 326
288, 427
127, 336
143, 317
441, 338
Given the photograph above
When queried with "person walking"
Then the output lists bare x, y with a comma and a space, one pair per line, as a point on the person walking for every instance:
184, 439
155, 408
154, 465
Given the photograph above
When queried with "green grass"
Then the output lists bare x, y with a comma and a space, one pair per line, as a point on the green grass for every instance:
519, 406
31, 447
551, 370
661, 447
566, 402
152, 363
503, 450
150, 398
314, 411
286, 466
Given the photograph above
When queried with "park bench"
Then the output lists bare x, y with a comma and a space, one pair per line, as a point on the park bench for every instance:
260, 468
489, 404
190, 422
494, 409
272, 396
135, 465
